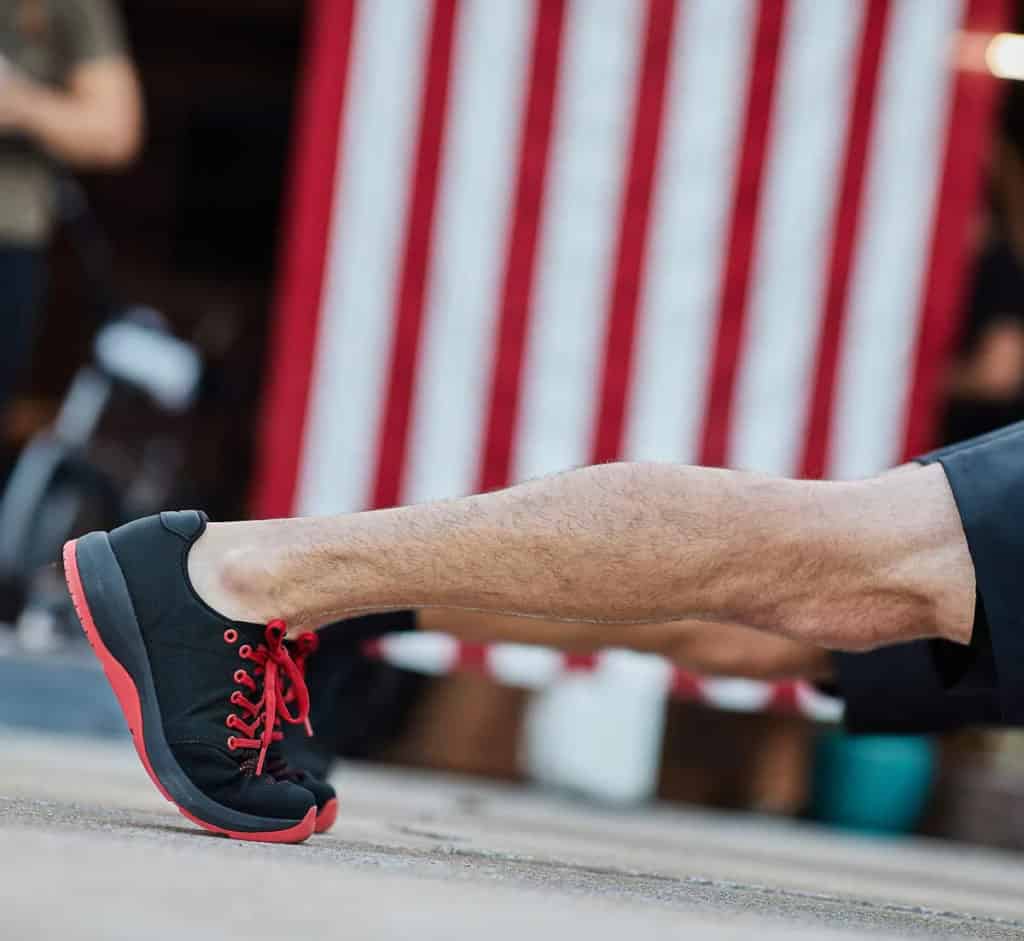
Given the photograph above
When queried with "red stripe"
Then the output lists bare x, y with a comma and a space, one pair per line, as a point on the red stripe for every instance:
742, 232
686, 686
471, 655
844, 238
968, 137
418, 247
520, 262
303, 252
785, 698
580, 662
634, 225
374, 647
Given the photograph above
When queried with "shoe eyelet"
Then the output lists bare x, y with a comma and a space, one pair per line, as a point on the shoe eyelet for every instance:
232, 742
230, 635
236, 698
244, 651
240, 676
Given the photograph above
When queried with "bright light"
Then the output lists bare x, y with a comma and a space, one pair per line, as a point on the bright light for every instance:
1004, 56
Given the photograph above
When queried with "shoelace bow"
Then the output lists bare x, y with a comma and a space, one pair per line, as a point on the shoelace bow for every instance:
274, 667
301, 649
305, 646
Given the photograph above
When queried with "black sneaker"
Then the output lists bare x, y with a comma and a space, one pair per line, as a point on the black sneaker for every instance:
203, 695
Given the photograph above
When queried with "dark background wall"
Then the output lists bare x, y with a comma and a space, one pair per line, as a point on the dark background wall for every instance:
195, 224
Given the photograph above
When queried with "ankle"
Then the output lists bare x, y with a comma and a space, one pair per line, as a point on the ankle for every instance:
233, 578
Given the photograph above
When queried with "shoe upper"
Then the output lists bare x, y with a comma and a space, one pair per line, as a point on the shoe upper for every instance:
220, 684
278, 766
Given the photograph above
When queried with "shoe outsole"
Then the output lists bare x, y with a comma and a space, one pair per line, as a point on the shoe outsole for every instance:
263, 830
327, 815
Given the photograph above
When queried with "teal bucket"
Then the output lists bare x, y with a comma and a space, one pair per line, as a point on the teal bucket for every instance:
875, 783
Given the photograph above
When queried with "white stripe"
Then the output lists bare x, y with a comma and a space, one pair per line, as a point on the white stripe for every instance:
523, 665
812, 702
578, 235
803, 169
705, 102
644, 672
363, 256
892, 249
422, 651
736, 695
478, 177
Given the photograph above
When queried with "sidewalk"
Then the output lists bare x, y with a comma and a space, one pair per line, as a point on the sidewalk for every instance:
90, 850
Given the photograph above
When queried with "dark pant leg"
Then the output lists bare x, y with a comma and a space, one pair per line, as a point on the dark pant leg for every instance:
902, 690
21, 282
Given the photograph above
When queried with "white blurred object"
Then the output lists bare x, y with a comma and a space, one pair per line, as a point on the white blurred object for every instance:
1004, 56
37, 630
168, 369
599, 734
525, 665
737, 695
423, 651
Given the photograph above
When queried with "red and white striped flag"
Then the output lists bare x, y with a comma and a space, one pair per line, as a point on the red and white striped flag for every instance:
532, 234
535, 234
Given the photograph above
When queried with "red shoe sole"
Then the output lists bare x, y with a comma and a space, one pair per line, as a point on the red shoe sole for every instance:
128, 697
325, 818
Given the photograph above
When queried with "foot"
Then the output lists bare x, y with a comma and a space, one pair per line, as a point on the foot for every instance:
204, 696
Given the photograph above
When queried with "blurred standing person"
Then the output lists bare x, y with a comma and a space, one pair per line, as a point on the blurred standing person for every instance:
69, 96
986, 382
987, 379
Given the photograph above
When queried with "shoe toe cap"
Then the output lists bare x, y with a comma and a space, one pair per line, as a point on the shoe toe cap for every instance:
320, 789
221, 778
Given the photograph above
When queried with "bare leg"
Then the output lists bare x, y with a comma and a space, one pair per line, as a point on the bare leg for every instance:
844, 565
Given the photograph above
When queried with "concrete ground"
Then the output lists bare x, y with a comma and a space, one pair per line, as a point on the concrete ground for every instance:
88, 850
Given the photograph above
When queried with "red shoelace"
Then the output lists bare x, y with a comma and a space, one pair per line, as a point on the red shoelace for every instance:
274, 667
302, 648
305, 646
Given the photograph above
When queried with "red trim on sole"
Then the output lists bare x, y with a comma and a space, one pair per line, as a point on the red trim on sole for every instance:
128, 697
327, 816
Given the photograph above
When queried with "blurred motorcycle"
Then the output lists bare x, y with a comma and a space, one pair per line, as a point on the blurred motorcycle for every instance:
70, 478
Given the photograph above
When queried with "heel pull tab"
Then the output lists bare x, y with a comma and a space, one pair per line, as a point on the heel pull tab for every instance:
188, 524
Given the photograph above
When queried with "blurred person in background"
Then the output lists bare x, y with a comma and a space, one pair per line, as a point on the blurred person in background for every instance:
69, 97
986, 382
